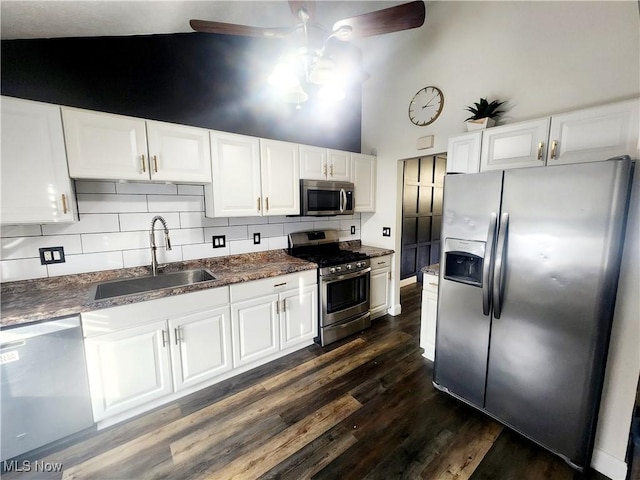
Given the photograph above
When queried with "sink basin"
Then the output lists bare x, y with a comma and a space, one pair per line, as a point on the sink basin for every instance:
128, 286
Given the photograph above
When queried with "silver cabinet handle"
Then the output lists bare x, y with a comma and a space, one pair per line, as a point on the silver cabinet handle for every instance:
331, 170
277, 307
324, 169
155, 163
540, 148
554, 147
164, 337
176, 331
144, 164
284, 305
65, 208
280, 284
487, 271
258, 203
500, 267
266, 204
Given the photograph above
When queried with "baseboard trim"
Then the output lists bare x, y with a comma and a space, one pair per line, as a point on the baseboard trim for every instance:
608, 465
408, 281
395, 310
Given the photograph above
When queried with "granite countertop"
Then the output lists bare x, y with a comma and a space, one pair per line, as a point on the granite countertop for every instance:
433, 269
47, 298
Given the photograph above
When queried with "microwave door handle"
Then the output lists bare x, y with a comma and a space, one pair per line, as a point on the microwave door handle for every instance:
343, 200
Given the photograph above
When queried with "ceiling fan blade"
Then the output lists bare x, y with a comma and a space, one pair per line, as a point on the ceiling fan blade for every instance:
206, 26
393, 19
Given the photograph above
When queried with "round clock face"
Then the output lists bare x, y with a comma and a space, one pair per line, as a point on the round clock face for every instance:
426, 105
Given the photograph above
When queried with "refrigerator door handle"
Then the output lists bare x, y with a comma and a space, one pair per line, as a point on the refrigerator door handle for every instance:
499, 268
487, 271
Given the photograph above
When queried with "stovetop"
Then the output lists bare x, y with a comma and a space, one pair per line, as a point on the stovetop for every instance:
328, 257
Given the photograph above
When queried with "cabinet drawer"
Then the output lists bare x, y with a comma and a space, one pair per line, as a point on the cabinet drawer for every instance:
430, 282
268, 286
116, 318
381, 262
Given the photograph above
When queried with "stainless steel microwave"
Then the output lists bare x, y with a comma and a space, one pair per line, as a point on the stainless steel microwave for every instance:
324, 198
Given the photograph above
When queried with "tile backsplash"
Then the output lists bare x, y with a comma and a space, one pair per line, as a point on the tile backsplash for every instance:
113, 231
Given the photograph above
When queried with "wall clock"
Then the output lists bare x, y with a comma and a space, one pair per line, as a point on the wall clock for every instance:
425, 106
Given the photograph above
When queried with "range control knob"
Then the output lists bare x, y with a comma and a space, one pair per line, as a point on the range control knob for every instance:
338, 269
359, 264
332, 270
349, 266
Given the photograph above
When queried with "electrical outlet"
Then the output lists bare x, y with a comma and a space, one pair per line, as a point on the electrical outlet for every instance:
353, 229
256, 238
219, 241
386, 231
49, 255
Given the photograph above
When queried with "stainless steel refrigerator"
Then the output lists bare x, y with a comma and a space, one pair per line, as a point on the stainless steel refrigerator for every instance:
528, 276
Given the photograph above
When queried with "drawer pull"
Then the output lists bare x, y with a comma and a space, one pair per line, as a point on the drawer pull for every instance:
65, 209
144, 168
433, 284
280, 284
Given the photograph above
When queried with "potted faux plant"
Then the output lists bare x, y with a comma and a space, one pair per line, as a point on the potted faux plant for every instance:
484, 114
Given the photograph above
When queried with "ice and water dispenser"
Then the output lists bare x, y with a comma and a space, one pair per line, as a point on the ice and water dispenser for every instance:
463, 260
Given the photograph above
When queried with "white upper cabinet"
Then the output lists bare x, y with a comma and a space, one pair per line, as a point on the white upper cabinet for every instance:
463, 153
363, 169
35, 181
236, 189
178, 153
594, 134
280, 172
513, 146
324, 164
107, 146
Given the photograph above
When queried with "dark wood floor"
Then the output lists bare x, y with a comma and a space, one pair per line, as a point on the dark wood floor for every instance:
360, 409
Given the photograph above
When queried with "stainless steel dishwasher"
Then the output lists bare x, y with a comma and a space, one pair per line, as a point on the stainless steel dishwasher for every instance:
45, 391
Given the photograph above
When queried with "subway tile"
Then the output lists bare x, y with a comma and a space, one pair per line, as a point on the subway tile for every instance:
246, 246
86, 186
88, 262
327, 225
23, 269
185, 236
107, 242
269, 230
27, 247
197, 219
111, 203
130, 222
175, 203
345, 236
276, 243
89, 223
297, 227
142, 256
248, 220
190, 190
146, 188
232, 233
347, 224
203, 250
20, 231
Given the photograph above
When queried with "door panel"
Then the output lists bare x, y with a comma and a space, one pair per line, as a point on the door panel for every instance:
550, 340
462, 337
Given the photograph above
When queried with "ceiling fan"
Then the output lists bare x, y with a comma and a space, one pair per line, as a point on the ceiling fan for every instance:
313, 59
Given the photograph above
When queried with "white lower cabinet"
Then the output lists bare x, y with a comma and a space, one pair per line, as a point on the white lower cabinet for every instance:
142, 355
380, 285
428, 315
200, 347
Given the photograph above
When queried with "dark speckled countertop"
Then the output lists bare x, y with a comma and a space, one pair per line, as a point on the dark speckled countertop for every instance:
46, 298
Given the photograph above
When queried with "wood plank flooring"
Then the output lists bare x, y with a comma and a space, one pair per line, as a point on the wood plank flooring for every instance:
363, 408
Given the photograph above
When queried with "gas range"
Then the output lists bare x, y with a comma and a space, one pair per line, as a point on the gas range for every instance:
343, 283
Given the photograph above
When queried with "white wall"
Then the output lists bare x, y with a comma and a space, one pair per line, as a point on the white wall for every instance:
113, 231
541, 57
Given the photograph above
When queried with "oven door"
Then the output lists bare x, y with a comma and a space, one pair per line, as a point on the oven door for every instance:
344, 296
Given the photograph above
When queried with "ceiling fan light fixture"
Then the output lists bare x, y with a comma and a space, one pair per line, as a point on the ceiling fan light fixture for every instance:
332, 92
284, 76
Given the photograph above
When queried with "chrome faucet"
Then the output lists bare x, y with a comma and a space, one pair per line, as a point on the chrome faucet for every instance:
152, 236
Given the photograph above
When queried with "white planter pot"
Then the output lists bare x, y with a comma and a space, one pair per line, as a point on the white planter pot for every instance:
479, 124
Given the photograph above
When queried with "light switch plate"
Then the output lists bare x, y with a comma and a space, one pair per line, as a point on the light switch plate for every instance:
386, 231
256, 238
49, 255
219, 241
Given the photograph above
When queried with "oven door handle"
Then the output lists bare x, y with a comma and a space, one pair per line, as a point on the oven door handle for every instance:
346, 276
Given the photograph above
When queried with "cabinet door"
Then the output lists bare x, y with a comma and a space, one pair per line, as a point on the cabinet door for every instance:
313, 163
338, 166
513, 146
178, 153
463, 153
35, 181
235, 191
255, 330
428, 316
594, 134
299, 316
105, 146
200, 346
128, 368
379, 291
280, 169
364, 178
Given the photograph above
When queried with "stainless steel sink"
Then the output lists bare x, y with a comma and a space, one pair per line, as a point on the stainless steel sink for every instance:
128, 286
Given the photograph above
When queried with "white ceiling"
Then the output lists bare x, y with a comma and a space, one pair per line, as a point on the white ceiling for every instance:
88, 18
